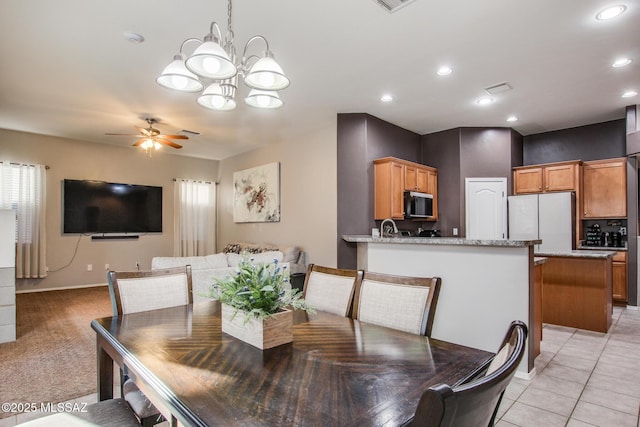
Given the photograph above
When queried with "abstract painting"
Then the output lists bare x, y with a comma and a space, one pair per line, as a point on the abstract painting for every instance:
256, 194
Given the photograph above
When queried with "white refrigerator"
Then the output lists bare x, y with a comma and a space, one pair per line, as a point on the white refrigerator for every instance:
547, 216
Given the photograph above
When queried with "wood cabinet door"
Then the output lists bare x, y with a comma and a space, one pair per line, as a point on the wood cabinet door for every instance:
527, 181
560, 178
410, 178
397, 190
619, 288
422, 181
604, 189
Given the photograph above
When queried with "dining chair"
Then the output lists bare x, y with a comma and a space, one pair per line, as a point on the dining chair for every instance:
331, 289
107, 413
136, 291
474, 403
399, 302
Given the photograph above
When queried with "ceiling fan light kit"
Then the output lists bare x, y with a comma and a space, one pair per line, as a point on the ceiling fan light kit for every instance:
218, 62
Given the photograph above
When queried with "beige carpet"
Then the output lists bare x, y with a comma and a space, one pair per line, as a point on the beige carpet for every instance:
54, 356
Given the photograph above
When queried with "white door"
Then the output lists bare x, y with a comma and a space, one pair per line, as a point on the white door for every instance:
486, 208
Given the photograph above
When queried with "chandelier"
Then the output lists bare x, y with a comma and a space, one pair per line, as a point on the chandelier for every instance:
216, 60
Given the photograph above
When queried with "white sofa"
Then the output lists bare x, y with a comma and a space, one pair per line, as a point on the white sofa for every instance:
206, 269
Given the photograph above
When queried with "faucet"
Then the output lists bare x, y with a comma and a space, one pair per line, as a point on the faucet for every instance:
382, 232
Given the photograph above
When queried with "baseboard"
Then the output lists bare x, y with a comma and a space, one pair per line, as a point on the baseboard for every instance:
65, 288
528, 376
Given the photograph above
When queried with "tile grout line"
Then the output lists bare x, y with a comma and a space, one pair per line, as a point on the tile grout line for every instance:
608, 335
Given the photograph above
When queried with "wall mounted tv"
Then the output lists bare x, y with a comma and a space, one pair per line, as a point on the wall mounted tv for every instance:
91, 207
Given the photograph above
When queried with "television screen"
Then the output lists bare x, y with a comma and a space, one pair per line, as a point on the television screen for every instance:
105, 207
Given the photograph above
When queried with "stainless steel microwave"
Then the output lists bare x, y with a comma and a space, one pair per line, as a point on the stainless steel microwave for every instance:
418, 205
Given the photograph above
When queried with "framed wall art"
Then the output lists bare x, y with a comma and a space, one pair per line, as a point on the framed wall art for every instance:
256, 194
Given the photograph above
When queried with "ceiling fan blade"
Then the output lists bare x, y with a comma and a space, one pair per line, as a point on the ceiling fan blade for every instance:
173, 136
123, 134
169, 143
144, 131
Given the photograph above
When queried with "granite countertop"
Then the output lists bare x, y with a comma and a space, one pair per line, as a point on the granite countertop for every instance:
365, 238
602, 248
578, 254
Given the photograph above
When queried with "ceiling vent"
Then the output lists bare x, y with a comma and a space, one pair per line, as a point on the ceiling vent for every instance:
393, 5
500, 87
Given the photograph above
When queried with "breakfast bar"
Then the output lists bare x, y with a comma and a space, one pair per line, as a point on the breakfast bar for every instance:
486, 284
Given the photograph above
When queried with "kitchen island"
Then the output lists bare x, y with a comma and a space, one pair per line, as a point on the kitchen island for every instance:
577, 289
486, 284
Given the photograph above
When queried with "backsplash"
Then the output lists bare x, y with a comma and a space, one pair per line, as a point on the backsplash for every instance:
608, 228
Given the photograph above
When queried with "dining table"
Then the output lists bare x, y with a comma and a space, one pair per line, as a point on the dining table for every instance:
338, 371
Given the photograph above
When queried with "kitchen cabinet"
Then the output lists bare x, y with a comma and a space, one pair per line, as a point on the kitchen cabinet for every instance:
604, 189
620, 278
392, 177
562, 176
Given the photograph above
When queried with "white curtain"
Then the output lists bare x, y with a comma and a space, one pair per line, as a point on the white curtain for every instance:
23, 189
194, 218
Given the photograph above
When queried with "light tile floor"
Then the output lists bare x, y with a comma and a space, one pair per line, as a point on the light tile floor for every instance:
583, 379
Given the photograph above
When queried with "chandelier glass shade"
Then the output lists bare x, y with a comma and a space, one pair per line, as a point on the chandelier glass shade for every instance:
216, 61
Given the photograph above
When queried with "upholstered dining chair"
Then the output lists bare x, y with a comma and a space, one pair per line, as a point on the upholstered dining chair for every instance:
474, 403
398, 302
331, 289
107, 413
136, 291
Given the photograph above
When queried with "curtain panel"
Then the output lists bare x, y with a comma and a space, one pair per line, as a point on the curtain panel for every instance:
23, 189
194, 218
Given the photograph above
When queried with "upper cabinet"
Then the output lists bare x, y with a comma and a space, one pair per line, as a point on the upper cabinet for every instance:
604, 188
563, 176
392, 177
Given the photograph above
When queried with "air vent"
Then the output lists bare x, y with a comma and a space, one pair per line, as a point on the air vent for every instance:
500, 87
393, 5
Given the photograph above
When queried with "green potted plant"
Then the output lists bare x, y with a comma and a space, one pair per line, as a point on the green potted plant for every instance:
257, 302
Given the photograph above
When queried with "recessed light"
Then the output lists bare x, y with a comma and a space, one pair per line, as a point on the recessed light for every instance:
611, 12
629, 94
132, 37
444, 71
386, 98
484, 100
621, 62
512, 119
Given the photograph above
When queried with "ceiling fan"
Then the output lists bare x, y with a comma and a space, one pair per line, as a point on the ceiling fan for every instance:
152, 138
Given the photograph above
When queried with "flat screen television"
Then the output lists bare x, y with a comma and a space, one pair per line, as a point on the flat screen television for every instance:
92, 207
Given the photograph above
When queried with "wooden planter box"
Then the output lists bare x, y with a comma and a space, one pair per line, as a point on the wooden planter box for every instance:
264, 334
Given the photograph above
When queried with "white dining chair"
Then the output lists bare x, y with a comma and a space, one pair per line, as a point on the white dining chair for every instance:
137, 291
399, 302
331, 289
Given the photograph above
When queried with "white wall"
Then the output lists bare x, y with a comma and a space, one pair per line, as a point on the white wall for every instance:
80, 160
308, 176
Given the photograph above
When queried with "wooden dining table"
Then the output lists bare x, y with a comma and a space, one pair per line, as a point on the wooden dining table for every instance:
337, 371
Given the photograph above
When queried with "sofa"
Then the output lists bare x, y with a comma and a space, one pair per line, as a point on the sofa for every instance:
206, 269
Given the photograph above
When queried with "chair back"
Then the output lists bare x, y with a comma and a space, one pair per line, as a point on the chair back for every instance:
331, 289
474, 403
399, 302
135, 291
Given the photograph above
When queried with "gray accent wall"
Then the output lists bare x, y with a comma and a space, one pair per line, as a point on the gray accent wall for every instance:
361, 139
468, 153
591, 142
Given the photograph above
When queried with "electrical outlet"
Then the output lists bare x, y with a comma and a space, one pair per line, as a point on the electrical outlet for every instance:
106, 267
455, 231
138, 265
89, 267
